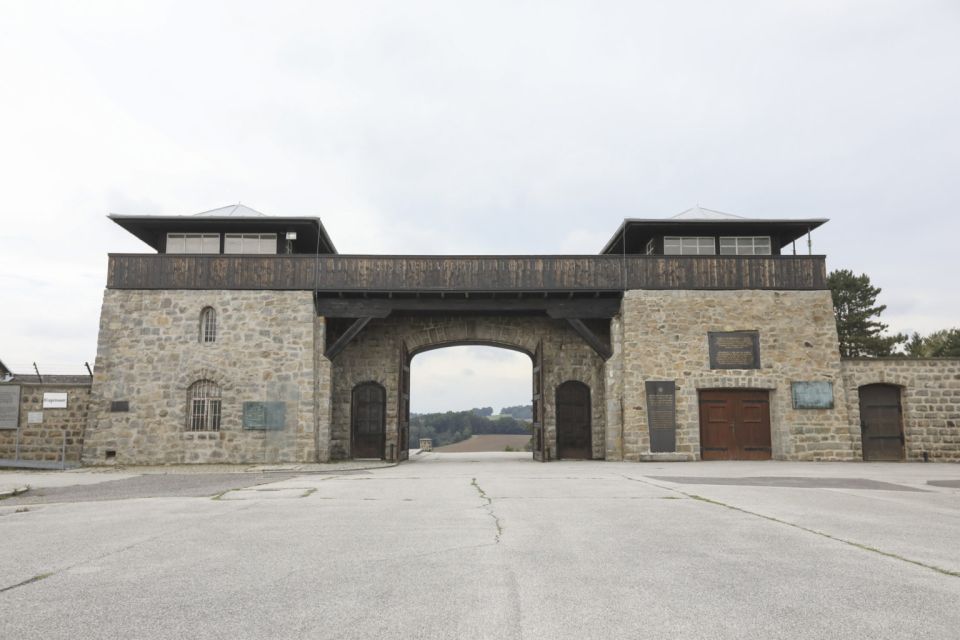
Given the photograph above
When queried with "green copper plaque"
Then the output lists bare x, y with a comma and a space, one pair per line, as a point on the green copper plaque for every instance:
264, 416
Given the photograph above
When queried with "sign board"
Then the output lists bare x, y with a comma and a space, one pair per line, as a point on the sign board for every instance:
812, 395
34, 417
264, 416
119, 406
662, 415
54, 400
734, 349
9, 406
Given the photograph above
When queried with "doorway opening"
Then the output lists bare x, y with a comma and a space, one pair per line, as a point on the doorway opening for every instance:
472, 399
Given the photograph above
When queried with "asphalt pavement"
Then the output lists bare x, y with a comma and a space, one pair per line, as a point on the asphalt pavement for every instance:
487, 546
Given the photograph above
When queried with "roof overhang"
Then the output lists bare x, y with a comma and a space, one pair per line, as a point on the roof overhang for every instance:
311, 235
784, 230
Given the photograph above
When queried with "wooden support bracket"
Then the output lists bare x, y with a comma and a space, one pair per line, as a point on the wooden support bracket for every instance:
347, 336
603, 350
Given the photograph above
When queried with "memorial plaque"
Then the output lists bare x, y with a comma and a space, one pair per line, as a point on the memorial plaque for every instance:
734, 349
264, 416
120, 406
35, 417
9, 406
662, 415
812, 395
54, 400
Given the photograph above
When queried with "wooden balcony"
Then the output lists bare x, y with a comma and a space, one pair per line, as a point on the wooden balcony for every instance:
488, 274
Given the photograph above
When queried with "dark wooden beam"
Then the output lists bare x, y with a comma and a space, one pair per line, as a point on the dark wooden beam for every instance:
347, 336
555, 308
602, 348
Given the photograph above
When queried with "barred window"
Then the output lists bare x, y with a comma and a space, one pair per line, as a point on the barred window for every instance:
208, 325
204, 408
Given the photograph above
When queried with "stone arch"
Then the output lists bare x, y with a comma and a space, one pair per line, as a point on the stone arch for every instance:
505, 333
188, 377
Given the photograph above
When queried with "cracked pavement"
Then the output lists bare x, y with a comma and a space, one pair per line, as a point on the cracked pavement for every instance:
489, 546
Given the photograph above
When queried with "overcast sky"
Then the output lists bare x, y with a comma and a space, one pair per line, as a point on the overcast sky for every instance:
480, 127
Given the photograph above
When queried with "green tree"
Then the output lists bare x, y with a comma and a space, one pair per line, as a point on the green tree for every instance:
939, 344
857, 313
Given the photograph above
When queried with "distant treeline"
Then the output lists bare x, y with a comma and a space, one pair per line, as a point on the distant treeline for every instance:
454, 426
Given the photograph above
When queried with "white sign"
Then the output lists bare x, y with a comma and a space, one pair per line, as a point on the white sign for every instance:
54, 401
34, 417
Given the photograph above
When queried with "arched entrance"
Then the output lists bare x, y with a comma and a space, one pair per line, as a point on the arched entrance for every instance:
573, 421
881, 422
368, 420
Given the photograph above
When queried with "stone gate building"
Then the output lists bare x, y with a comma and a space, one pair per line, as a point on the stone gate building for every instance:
248, 338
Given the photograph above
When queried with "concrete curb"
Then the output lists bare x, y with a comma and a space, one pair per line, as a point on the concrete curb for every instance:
15, 491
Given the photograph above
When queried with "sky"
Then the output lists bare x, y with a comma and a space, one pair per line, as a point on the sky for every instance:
468, 127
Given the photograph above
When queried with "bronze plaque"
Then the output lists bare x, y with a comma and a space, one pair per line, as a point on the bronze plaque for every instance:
264, 416
812, 395
662, 415
734, 349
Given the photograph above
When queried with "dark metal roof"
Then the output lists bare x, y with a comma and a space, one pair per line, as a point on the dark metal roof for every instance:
153, 229
784, 231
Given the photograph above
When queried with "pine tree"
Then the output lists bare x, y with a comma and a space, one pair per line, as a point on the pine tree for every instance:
857, 313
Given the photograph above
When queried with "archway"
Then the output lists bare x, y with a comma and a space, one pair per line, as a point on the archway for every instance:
471, 397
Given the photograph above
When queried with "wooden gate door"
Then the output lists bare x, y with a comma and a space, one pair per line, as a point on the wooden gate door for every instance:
573, 421
403, 410
368, 420
539, 431
881, 422
735, 425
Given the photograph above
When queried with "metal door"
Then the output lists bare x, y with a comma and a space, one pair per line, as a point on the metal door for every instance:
403, 410
540, 448
368, 420
735, 425
574, 439
881, 422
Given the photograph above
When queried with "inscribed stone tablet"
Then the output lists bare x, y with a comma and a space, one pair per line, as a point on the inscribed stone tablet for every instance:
9, 406
734, 349
662, 415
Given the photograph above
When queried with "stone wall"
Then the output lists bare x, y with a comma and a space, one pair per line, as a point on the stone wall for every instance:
149, 354
662, 335
929, 396
58, 436
374, 355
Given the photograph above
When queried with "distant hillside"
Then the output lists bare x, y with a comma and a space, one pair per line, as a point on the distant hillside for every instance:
520, 412
455, 426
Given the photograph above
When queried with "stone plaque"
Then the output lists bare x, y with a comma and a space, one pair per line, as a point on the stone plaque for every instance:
54, 400
734, 349
9, 406
35, 417
264, 416
812, 395
662, 415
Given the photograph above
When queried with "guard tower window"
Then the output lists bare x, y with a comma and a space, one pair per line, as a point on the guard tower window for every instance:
745, 245
193, 243
208, 325
204, 406
261, 243
689, 246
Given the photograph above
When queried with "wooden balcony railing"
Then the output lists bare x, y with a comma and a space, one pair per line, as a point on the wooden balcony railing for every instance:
350, 273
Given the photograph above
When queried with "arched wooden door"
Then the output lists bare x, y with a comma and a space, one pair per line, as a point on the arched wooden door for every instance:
368, 420
573, 421
881, 423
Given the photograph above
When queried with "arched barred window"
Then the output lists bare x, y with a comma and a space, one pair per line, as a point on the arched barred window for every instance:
208, 325
203, 409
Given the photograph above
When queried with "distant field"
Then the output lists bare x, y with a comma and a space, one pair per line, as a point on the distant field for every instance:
494, 442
